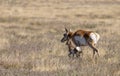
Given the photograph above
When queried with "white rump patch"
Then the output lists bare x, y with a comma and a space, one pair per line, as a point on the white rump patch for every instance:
78, 48
95, 37
98, 36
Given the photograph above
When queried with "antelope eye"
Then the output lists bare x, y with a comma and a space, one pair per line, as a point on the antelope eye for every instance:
64, 34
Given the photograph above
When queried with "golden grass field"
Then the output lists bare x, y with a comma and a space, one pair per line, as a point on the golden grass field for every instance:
31, 30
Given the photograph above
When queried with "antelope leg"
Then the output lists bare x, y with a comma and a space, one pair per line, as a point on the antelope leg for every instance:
94, 49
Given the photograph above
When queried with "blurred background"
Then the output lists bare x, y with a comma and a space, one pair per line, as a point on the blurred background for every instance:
31, 30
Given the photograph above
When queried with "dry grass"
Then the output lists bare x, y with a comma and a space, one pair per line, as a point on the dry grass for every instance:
30, 33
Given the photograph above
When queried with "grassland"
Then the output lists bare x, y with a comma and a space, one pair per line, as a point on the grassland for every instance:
31, 30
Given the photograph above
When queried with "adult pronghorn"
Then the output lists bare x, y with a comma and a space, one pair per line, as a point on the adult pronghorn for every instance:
81, 38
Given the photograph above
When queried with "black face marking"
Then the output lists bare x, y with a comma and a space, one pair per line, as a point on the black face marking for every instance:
65, 37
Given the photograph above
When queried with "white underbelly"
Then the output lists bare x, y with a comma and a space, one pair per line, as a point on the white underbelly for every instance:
80, 40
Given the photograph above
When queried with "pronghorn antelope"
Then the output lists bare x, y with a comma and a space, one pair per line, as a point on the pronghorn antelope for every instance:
73, 49
81, 38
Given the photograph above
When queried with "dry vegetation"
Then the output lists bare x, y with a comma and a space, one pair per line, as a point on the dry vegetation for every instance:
30, 33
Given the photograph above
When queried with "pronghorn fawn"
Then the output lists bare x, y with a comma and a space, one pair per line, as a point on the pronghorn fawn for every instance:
73, 49
80, 38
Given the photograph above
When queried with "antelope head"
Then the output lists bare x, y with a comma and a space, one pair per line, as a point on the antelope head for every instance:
66, 35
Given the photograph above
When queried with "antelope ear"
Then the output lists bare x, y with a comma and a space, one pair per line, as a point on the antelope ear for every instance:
66, 29
70, 30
